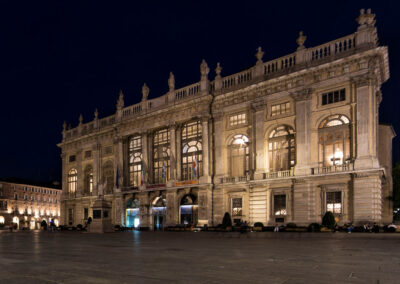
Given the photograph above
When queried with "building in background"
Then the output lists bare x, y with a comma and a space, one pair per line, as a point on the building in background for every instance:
27, 205
283, 141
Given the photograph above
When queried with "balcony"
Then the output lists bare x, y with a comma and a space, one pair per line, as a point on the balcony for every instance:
333, 169
234, 179
279, 174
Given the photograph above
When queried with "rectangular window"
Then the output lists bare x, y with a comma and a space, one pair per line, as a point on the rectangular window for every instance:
237, 119
236, 206
72, 158
88, 154
15, 196
334, 202
136, 172
280, 204
279, 109
161, 154
333, 97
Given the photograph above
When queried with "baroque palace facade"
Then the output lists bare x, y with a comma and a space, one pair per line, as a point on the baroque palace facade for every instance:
283, 141
26, 205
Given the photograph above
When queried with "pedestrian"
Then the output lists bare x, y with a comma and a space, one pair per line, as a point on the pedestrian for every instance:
276, 229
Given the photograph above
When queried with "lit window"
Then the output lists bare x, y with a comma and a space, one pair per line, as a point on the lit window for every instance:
280, 204
1, 220
281, 147
72, 181
333, 97
237, 119
334, 202
88, 180
239, 156
136, 172
161, 154
192, 151
279, 109
236, 207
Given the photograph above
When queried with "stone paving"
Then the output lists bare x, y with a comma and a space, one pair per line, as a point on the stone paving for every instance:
187, 257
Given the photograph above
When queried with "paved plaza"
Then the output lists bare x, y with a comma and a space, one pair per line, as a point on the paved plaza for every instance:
186, 257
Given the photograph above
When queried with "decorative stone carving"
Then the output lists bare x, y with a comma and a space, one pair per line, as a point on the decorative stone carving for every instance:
120, 102
301, 40
171, 82
259, 55
64, 126
365, 19
204, 70
96, 114
145, 92
218, 70
302, 95
80, 119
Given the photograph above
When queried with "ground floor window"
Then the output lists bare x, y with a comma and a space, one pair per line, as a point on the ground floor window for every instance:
334, 202
132, 218
189, 210
280, 204
237, 207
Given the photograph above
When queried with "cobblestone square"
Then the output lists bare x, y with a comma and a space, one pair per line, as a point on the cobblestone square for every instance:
186, 257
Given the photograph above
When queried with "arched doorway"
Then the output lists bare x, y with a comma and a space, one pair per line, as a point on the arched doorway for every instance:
15, 220
158, 213
132, 213
188, 210
32, 224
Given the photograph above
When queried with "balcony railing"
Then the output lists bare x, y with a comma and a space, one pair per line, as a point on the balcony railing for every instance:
234, 179
279, 174
333, 169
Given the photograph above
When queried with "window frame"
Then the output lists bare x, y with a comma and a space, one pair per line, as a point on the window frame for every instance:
191, 138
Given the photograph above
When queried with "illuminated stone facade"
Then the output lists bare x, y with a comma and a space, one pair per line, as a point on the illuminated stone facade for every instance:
283, 141
28, 205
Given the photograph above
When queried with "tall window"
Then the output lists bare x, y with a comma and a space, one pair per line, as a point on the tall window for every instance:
239, 156
334, 141
282, 153
108, 177
280, 205
88, 180
192, 151
237, 207
161, 154
334, 202
72, 181
135, 161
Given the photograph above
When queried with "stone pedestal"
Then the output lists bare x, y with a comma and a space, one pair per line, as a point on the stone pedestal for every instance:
101, 217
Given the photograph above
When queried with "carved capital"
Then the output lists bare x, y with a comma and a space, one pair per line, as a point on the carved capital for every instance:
258, 105
302, 95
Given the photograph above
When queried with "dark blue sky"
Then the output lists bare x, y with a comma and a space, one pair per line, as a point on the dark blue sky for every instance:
61, 58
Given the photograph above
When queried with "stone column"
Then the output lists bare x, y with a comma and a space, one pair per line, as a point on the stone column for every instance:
258, 139
218, 136
206, 165
172, 158
64, 175
144, 210
150, 157
303, 132
145, 158
119, 213
179, 153
366, 125
80, 182
172, 210
218, 205
96, 168
118, 145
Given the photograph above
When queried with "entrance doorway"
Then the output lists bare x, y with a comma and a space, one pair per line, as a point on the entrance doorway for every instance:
158, 212
132, 213
189, 210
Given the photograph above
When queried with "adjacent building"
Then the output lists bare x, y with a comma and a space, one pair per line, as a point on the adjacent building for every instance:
283, 141
27, 205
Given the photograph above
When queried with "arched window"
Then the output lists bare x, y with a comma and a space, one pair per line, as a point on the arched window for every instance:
282, 153
135, 161
192, 151
72, 181
108, 177
239, 156
88, 180
161, 154
334, 141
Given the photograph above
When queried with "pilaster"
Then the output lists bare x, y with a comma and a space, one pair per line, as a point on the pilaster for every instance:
258, 141
206, 165
172, 207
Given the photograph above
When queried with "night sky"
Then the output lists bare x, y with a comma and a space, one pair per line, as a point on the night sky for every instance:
59, 59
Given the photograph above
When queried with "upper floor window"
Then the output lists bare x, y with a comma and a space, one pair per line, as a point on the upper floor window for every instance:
161, 154
108, 177
88, 180
279, 109
334, 202
72, 158
135, 161
192, 151
282, 153
239, 156
333, 97
237, 119
72, 180
334, 141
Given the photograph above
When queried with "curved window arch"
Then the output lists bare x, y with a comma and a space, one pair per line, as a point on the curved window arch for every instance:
136, 174
72, 180
192, 151
88, 180
334, 141
281, 148
108, 177
239, 156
